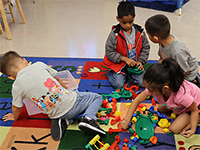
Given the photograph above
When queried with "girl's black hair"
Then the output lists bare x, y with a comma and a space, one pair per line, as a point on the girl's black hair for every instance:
166, 73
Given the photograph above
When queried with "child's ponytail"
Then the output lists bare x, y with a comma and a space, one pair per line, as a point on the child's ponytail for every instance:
168, 72
176, 74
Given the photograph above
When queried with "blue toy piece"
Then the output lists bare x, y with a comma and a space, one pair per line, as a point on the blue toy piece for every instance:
151, 109
135, 139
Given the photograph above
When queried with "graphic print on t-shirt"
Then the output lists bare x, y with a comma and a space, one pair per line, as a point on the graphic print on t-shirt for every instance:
171, 108
48, 101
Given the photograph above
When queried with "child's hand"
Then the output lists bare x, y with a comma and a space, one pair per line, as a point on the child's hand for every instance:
124, 124
187, 133
130, 62
139, 63
8, 117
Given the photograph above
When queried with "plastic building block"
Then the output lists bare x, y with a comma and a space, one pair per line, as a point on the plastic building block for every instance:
165, 130
93, 142
119, 129
122, 93
111, 130
170, 133
154, 125
125, 148
142, 105
151, 109
131, 131
118, 113
103, 118
154, 117
114, 144
134, 119
134, 147
144, 127
153, 102
117, 119
134, 70
105, 122
173, 115
129, 145
153, 139
109, 110
133, 87
134, 134
128, 104
164, 123
135, 139
105, 104
143, 142
114, 106
126, 140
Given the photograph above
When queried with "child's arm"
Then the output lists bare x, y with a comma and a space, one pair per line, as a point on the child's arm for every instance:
140, 66
61, 82
144, 53
139, 99
128, 61
14, 116
193, 121
160, 60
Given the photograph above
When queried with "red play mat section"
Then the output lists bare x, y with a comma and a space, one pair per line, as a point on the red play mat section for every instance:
94, 70
35, 121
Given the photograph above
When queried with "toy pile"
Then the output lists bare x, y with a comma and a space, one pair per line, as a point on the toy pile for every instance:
141, 126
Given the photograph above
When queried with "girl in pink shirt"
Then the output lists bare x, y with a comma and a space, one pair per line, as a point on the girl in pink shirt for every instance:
165, 81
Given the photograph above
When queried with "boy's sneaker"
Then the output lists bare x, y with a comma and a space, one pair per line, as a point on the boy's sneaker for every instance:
58, 128
90, 126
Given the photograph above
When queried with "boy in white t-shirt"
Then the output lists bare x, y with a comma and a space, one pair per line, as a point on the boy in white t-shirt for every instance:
39, 83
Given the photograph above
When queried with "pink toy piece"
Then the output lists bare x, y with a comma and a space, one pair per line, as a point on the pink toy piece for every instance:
104, 118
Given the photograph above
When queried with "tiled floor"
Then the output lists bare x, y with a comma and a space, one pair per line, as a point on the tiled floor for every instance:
79, 28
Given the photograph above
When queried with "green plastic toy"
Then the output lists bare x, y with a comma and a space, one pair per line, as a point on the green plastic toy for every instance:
134, 70
122, 93
144, 126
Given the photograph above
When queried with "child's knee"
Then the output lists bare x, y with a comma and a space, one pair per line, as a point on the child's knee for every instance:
119, 85
174, 129
116, 84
